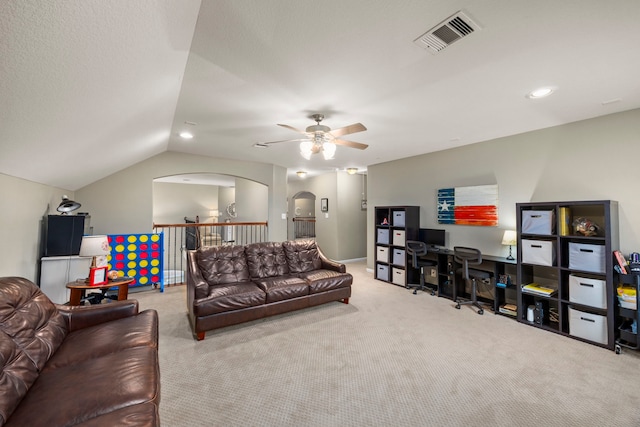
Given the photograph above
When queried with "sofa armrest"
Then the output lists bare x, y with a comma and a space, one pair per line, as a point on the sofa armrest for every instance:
197, 287
329, 264
81, 316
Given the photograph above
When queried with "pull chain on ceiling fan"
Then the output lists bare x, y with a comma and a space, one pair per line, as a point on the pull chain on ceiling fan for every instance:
320, 138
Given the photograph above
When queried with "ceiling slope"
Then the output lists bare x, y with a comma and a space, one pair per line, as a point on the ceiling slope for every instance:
90, 87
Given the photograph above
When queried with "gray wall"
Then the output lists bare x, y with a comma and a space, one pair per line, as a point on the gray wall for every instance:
172, 202
23, 206
122, 202
587, 160
340, 232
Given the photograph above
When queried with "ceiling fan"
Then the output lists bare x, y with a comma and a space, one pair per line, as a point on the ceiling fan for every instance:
320, 138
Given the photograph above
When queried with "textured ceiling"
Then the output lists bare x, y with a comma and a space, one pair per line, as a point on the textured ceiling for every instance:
89, 87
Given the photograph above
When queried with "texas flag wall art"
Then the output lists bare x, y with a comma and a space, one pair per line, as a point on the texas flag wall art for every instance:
477, 205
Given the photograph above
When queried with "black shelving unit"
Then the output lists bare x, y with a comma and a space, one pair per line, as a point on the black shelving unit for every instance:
628, 317
578, 268
394, 225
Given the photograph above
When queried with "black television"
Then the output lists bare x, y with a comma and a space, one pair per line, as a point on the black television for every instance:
432, 237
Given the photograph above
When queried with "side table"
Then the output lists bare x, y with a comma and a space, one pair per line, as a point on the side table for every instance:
79, 287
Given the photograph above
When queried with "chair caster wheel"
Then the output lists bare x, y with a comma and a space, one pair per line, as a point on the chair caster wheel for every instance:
618, 349
458, 306
481, 312
415, 292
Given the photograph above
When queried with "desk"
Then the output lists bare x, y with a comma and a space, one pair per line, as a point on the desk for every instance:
451, 285
79, 287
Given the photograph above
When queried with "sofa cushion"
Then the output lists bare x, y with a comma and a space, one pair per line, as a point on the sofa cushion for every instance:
69, 395
326, 280
302, 255
223, 264
18, 375
266, 259
229, 297
283, 287
105, 338
31, 330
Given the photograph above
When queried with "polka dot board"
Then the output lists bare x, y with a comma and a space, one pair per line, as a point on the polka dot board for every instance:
139, 256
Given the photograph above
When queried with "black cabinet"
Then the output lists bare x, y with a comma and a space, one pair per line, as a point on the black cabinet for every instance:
565, 268
63, 235
394, 225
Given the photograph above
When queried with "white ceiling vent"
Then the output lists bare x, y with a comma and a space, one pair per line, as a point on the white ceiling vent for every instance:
449, 31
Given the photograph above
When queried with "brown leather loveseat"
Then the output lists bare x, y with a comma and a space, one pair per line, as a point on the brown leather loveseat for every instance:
76, 366
227, 285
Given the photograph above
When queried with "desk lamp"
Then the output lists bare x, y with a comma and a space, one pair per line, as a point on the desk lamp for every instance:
94, 246
509, 238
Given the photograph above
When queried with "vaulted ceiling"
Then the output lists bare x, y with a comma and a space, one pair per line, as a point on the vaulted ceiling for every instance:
89, 87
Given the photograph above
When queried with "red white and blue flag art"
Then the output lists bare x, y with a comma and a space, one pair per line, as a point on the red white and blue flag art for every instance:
477, 205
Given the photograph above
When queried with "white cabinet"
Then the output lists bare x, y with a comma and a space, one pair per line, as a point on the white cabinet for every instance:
57, 271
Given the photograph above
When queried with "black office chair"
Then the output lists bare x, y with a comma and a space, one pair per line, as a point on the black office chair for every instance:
467, 257
418, 249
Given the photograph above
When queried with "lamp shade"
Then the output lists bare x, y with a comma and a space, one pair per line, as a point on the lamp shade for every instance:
94, 246
509, 237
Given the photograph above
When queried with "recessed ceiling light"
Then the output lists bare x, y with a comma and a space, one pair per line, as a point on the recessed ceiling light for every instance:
540, 93
186, 135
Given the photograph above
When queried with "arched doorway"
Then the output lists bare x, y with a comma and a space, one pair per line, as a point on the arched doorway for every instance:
304, 215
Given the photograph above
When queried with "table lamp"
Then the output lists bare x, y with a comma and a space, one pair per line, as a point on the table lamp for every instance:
509, 238
94, 246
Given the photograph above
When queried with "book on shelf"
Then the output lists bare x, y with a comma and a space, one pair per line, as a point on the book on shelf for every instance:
536, 289
509, 309
622, 263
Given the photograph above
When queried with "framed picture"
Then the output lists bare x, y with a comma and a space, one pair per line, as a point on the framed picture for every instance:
98, 276
324, 205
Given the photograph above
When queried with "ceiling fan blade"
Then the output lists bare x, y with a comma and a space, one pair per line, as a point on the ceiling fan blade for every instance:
356, 127
292, 128
351, 144
284, 140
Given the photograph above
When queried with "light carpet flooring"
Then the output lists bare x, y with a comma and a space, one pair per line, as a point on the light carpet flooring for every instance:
389, 358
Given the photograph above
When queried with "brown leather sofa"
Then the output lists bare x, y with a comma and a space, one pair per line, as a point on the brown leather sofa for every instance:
227, 285
77, 366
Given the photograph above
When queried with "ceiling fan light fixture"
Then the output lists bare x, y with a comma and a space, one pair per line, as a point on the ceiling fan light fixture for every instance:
328, 150
352, 171
306, 149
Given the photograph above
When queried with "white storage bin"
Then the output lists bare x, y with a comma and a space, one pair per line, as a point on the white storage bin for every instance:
592, 327
586, 291
397, 276
382, 272
398, 237
540, 252
538, 222
398, 218
399, 257
382, 254
587, 257
383, 236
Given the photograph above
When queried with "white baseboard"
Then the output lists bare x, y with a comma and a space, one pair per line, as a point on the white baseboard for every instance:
347, 261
